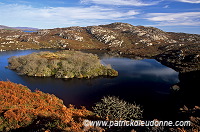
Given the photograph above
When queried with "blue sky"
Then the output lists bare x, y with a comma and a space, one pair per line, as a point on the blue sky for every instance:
168, 15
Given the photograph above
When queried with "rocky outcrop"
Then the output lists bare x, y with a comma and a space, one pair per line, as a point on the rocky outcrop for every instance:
119, 36
70, 35
181, 58
43, 32
122, 38
143, 34
106, 36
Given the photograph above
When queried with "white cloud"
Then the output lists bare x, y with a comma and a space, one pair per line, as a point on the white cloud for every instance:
121, 2
160, 72
16, 15
172, 19
166, 74
190, 1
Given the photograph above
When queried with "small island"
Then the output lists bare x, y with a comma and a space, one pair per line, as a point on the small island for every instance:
60, 64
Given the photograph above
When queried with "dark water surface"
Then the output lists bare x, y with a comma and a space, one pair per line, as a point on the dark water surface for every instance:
146, 82
28, 31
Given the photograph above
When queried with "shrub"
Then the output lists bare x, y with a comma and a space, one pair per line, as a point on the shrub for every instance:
113, 108
24, 110
61, 64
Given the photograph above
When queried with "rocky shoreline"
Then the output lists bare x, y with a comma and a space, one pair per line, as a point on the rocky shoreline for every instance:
179, 51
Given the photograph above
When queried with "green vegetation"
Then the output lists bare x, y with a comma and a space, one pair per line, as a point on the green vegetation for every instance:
61, 64
114, 108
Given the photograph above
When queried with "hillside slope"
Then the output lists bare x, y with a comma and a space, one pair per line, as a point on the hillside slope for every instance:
23, 110
121, 38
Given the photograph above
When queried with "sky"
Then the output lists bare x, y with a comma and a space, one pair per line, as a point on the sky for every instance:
167, 15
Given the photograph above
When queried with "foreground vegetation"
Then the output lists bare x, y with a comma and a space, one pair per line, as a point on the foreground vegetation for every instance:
61, 64
24, 111
113, 108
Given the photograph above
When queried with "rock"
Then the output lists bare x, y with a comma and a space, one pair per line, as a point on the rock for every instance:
175, 88
105, 35
70, 35
178, 50
180, 60
43, 32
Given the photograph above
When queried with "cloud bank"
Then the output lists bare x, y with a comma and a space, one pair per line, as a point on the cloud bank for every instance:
60, 15
190, 1
174, 19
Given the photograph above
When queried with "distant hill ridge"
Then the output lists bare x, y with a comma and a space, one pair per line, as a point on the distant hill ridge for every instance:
119, 38
18, 28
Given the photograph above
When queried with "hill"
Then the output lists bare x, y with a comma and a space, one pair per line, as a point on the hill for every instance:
5, 27
26, 28
18, 28
120, 38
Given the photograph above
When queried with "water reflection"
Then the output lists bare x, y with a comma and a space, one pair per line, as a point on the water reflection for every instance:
148, 69
145, 82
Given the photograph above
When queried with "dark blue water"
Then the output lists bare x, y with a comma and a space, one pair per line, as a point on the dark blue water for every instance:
27, 31
146, 82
